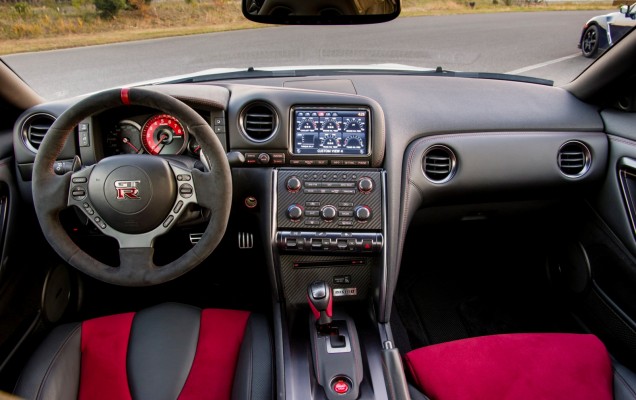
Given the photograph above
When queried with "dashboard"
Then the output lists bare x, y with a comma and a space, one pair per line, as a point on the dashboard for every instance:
340, 167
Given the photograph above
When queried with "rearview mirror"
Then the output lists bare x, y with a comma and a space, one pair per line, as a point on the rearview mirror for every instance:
320, 12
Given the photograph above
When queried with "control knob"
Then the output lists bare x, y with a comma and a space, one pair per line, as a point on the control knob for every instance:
362, 213
365, 184
293, 184
294, 212
328, 213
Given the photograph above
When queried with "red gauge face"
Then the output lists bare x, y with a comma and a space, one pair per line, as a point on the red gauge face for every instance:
163, 134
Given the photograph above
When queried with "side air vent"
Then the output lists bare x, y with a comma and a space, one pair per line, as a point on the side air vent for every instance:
439, 164
34, 128
258, 121
574, 159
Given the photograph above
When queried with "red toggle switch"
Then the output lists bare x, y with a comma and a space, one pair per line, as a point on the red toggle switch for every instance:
341, 387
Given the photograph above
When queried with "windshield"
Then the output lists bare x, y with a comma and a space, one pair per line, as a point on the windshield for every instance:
69, 48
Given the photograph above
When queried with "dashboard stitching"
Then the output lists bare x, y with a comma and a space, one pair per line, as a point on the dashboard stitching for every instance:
622, 140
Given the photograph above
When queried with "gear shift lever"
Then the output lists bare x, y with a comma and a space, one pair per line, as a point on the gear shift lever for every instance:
320, 298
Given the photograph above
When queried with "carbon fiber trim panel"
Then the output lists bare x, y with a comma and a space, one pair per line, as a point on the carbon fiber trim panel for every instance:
296, 280
338, 188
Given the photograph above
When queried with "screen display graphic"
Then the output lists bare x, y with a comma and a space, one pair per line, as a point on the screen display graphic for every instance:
331, 131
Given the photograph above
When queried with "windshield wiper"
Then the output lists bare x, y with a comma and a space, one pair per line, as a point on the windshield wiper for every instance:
255, 73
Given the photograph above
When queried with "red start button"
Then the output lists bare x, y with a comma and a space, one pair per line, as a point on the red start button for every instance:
341, 387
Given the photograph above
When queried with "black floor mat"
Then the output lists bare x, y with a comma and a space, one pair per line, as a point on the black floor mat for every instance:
489, 279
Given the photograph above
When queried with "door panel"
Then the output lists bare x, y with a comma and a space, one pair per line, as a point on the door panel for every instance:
607, 235
22, 270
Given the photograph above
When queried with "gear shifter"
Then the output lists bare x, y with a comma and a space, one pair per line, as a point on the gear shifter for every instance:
334, 345
320, 298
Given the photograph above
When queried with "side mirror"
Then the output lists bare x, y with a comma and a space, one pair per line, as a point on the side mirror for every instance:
320, 12
623, 9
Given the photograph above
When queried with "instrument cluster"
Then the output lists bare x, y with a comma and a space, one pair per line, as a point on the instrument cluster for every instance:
155, 134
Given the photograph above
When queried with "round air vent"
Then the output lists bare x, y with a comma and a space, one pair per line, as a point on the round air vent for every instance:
574, 159
258, 121
439, 164
34, 128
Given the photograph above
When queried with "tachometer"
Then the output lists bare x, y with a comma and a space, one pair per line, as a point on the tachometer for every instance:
125, 138
163, 134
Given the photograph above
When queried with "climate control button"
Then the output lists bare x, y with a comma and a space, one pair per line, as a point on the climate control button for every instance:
365, 184
328, 213
293, 184
362, 213
294, 212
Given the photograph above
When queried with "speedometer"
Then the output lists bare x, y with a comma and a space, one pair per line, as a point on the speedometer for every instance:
163, 134
124, 138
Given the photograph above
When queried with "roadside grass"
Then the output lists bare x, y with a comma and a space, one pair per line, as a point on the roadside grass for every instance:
53, 25
411, 8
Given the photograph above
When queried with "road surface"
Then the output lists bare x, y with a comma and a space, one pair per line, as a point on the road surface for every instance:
540, 44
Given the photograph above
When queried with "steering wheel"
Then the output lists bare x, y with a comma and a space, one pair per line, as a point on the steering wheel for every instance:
133, 198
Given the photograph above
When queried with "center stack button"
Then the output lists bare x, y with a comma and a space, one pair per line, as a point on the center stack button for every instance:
328, 213
294, 212
293, 184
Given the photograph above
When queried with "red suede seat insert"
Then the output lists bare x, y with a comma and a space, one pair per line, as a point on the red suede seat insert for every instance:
542, 366
104, 348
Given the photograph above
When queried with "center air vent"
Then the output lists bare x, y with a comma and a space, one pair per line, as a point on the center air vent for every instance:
574, 159
439, 164
34, 129
258, 121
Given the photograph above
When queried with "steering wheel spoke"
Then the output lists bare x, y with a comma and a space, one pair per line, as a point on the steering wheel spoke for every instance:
136, 263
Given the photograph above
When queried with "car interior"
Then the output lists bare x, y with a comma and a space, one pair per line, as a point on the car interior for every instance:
342, 235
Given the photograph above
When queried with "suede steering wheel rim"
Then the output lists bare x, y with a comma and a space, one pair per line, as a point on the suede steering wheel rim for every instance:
116, 195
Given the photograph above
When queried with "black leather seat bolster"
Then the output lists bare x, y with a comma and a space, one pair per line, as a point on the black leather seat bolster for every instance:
53, 372
624, 382
254, 369
161, 350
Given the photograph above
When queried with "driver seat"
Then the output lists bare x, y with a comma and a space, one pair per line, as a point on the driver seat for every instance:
170, 351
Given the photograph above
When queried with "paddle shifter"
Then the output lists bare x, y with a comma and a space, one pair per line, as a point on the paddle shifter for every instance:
320, 298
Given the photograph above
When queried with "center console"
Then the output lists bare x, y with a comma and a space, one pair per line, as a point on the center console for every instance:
328, 232
328, 209
329, 227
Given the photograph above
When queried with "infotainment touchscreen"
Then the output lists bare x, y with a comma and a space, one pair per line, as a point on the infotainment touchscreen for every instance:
331, 131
